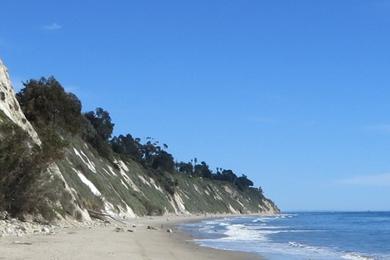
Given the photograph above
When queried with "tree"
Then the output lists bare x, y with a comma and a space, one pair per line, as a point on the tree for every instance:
101, 121
45, 103
97, 130
243, 183
163, 161
202, 170
155, 157
186, 168
127, 145
226, 175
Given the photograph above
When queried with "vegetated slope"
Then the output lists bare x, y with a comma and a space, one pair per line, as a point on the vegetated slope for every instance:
130, 189
121, 176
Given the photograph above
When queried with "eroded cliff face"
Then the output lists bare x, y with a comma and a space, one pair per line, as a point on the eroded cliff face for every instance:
10, 106
128, 189
125, 188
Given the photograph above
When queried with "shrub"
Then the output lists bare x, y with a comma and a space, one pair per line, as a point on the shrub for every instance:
26, 187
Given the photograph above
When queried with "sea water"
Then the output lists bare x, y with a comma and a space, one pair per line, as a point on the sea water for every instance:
300, 235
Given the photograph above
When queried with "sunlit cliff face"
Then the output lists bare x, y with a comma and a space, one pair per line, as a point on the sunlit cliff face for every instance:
10, 106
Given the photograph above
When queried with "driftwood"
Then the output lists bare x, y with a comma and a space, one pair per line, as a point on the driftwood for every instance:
103, 216
22, 243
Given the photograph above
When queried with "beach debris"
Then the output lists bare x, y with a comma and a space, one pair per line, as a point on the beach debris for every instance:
130, 230
119, 229
22, 243
169, 230
151, 228
104, 217
4, 215
45, 229
133, 225
21, 228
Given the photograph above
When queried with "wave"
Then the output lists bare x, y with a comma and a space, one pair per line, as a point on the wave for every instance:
260, 235
278, 216
291, 250
241, 232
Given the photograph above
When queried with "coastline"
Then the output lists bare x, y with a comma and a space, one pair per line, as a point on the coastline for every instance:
115, 241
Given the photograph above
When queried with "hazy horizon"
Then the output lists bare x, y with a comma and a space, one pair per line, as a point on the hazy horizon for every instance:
293, 94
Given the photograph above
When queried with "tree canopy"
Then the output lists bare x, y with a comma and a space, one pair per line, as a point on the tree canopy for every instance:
101, 121
46, 103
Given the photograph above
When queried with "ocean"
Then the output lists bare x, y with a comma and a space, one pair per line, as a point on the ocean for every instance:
300, 235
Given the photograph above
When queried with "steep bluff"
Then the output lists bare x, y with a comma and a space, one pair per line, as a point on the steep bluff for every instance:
122, 187
10, 106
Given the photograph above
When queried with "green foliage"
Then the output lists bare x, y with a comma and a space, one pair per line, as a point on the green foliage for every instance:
243, 182
185, 168
163, 161
46, 104
226, 175
151, 208
155, 157
127, 145
168, 182
101, 121
25, 185
97, 129
53, 111
203, 170
150, 154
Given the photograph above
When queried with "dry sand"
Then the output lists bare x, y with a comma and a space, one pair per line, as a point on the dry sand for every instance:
103, 242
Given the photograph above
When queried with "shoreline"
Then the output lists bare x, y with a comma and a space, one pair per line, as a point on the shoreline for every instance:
118, 241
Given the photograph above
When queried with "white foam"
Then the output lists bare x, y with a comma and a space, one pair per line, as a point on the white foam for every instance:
278, 216
240, 232
255, 238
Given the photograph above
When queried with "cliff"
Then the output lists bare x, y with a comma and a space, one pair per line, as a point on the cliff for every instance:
10, 106
85, 182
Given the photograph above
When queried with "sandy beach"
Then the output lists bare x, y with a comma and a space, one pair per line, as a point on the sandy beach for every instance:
115, 241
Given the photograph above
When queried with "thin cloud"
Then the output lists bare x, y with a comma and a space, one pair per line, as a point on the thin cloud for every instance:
52, 27
378, 180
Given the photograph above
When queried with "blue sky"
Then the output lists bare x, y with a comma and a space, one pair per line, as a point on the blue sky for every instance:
295, 94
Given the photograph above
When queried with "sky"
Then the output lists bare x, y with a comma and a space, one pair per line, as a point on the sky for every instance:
294, 94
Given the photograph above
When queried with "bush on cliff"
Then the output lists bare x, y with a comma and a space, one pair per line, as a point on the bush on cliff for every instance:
46, 104
25, 185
